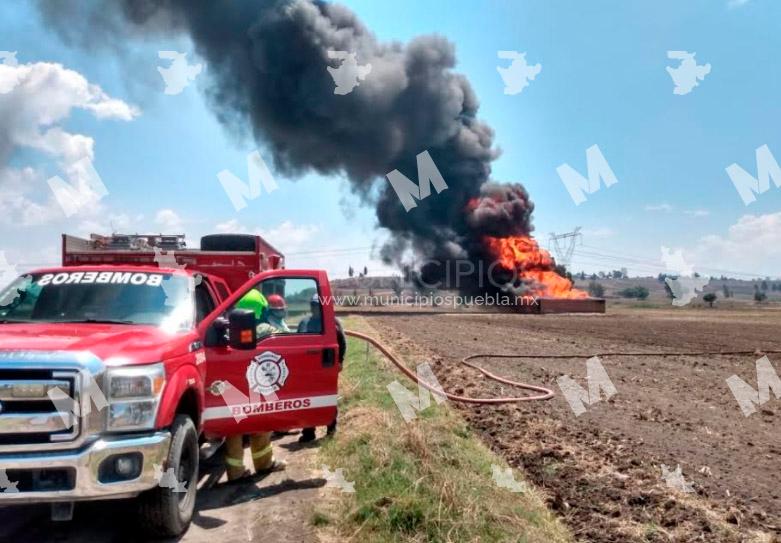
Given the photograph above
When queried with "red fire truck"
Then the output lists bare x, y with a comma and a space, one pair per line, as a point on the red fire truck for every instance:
118, 365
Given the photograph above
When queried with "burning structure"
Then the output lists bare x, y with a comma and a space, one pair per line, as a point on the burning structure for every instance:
268, 77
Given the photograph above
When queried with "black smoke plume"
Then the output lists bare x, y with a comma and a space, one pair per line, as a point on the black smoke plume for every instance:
267, 63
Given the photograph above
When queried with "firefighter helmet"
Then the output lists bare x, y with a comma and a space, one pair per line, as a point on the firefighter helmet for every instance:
275, 301
255, 301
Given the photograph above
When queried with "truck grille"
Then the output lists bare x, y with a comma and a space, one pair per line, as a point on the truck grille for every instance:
27, 415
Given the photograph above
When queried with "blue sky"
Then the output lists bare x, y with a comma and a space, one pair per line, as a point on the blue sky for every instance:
603, 82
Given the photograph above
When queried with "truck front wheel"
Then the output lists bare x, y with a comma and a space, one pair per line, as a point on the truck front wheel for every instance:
166, 510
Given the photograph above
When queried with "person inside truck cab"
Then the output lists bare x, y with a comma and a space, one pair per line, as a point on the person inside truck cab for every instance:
313, 324
255, 301
277, 311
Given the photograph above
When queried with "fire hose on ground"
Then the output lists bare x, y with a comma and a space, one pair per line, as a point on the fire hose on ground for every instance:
544, 393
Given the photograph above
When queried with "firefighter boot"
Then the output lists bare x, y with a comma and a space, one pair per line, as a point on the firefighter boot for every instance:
234, 457
307, 435
263, 455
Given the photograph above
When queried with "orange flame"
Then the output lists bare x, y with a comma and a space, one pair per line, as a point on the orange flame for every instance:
534, 266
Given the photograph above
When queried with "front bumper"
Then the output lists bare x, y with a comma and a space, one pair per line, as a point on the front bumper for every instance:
82, 467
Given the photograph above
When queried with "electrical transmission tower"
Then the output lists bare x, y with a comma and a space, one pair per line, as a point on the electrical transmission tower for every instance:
561, 249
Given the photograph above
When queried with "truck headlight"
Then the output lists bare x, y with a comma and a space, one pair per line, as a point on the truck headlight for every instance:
133, 396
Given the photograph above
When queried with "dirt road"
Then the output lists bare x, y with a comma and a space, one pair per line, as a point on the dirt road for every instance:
602, 470
276, 508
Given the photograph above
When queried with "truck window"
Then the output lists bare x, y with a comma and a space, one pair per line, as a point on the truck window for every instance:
222, 291
204, 303
111, 297
290, 306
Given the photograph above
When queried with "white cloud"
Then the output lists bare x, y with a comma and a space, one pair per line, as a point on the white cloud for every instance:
17, 186
286, 236
34, 99
291, 237
169, 221
697, 212
110, 223
232, 226
665, 207
752, 245
311, 246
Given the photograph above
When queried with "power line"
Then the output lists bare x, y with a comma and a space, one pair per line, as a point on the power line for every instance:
331, 251
658, 264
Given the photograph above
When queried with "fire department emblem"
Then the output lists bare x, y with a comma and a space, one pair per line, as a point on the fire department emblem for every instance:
267, 373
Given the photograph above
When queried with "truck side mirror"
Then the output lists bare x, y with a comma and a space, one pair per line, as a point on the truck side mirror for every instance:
217, 333
242, 332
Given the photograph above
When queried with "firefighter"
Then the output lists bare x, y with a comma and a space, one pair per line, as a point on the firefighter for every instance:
260, 444
313, 324
255, 301
277, 311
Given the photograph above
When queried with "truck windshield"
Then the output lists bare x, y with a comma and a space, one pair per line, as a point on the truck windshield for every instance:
111, 297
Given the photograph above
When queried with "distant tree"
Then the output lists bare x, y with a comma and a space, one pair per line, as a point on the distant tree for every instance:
365, 271
710, 297
641, 293
351, 271
759, 296
595, 290
593, 277
725, 290
764, 285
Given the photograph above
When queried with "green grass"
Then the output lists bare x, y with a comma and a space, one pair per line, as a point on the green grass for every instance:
427, 480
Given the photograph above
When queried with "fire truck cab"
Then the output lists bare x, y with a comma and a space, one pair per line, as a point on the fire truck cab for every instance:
116, 366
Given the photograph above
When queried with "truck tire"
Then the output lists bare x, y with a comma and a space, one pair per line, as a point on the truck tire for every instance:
228, 242
164, 511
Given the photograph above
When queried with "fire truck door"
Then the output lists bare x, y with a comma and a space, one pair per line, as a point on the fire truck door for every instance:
289, 380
